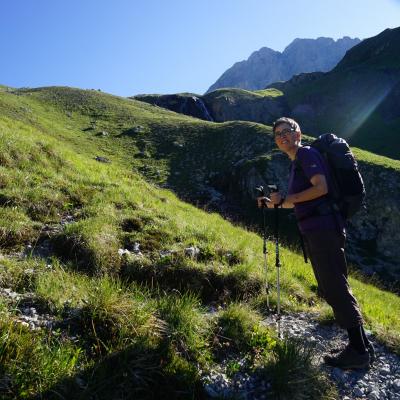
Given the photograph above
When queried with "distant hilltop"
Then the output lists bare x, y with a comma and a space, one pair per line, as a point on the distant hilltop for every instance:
266, 65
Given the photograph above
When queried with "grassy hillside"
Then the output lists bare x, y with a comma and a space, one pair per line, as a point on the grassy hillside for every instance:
242, 94
357, 104
123, 322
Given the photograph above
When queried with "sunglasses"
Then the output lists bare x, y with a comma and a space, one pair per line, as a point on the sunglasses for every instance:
284, 132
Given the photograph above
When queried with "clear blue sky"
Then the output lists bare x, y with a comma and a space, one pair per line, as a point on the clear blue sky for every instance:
126, 47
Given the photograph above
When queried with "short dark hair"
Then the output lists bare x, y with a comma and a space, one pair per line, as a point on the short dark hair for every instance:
285, 120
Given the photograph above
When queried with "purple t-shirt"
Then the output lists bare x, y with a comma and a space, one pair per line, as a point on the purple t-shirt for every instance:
309, 162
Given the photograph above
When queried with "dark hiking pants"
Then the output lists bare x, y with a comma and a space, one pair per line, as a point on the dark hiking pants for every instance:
326, 251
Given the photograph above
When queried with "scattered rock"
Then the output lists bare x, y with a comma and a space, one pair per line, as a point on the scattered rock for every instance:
192, 251
138, 129
136, 248
358, 392
166, 253
102, 159
374, 383
374, 395
9, 293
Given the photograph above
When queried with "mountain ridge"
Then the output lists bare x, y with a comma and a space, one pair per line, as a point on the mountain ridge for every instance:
266, 65
358, 99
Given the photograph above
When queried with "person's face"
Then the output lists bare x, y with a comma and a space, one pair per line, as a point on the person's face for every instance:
286, 138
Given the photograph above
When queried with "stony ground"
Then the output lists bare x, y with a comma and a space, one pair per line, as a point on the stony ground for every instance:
380, 382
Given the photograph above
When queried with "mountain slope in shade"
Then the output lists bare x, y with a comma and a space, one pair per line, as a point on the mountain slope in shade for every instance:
358, 99
266, 65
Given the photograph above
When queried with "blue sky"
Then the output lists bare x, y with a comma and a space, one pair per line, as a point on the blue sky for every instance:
164, 46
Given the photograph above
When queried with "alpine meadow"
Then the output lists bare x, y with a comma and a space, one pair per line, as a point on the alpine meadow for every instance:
113, 287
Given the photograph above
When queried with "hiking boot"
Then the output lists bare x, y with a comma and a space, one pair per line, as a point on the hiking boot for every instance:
349, 358
370, 349
371, 352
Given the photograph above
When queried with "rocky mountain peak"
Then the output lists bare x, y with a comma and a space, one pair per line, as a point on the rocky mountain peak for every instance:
267, 65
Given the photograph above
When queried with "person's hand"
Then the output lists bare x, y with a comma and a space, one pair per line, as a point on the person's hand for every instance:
276, 198
264, 202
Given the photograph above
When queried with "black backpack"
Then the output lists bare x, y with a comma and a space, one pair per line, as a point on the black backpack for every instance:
348, 191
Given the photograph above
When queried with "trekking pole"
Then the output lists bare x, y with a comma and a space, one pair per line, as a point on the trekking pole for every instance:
274, 188
260, 190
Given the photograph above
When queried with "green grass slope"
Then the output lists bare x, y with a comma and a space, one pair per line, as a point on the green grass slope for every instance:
243, 94
124, 322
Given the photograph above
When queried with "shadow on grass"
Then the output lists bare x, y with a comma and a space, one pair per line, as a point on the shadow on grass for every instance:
209, 285
137, 372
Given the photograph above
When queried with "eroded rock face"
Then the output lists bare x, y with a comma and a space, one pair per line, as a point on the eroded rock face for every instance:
266, 65
188, 104
228, 106
262, 67
374, 233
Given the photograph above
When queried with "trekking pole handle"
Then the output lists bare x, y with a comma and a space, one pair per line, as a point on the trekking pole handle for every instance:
260, 190
273, 188
261, 193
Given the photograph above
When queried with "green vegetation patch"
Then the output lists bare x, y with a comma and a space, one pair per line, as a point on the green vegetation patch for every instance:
16, 227
240, 330
293, 374
269, 92
110, 231
33, 362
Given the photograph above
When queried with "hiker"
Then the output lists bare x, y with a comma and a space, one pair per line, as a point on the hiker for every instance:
323, 230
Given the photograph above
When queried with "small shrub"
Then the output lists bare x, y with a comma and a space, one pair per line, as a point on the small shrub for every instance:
34, 361
15, 227
289, 367
186, 328
113, 317
239, 326
132, 224
20, 275
92, 244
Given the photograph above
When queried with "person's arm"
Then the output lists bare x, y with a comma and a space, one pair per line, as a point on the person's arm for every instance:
319, 188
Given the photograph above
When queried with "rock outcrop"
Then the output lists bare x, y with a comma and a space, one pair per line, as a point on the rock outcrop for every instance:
235, 104
185, 103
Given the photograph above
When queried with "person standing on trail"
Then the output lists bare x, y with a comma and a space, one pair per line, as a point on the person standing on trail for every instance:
324, 235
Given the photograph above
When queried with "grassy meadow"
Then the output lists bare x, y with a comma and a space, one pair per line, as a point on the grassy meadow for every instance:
142, 324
